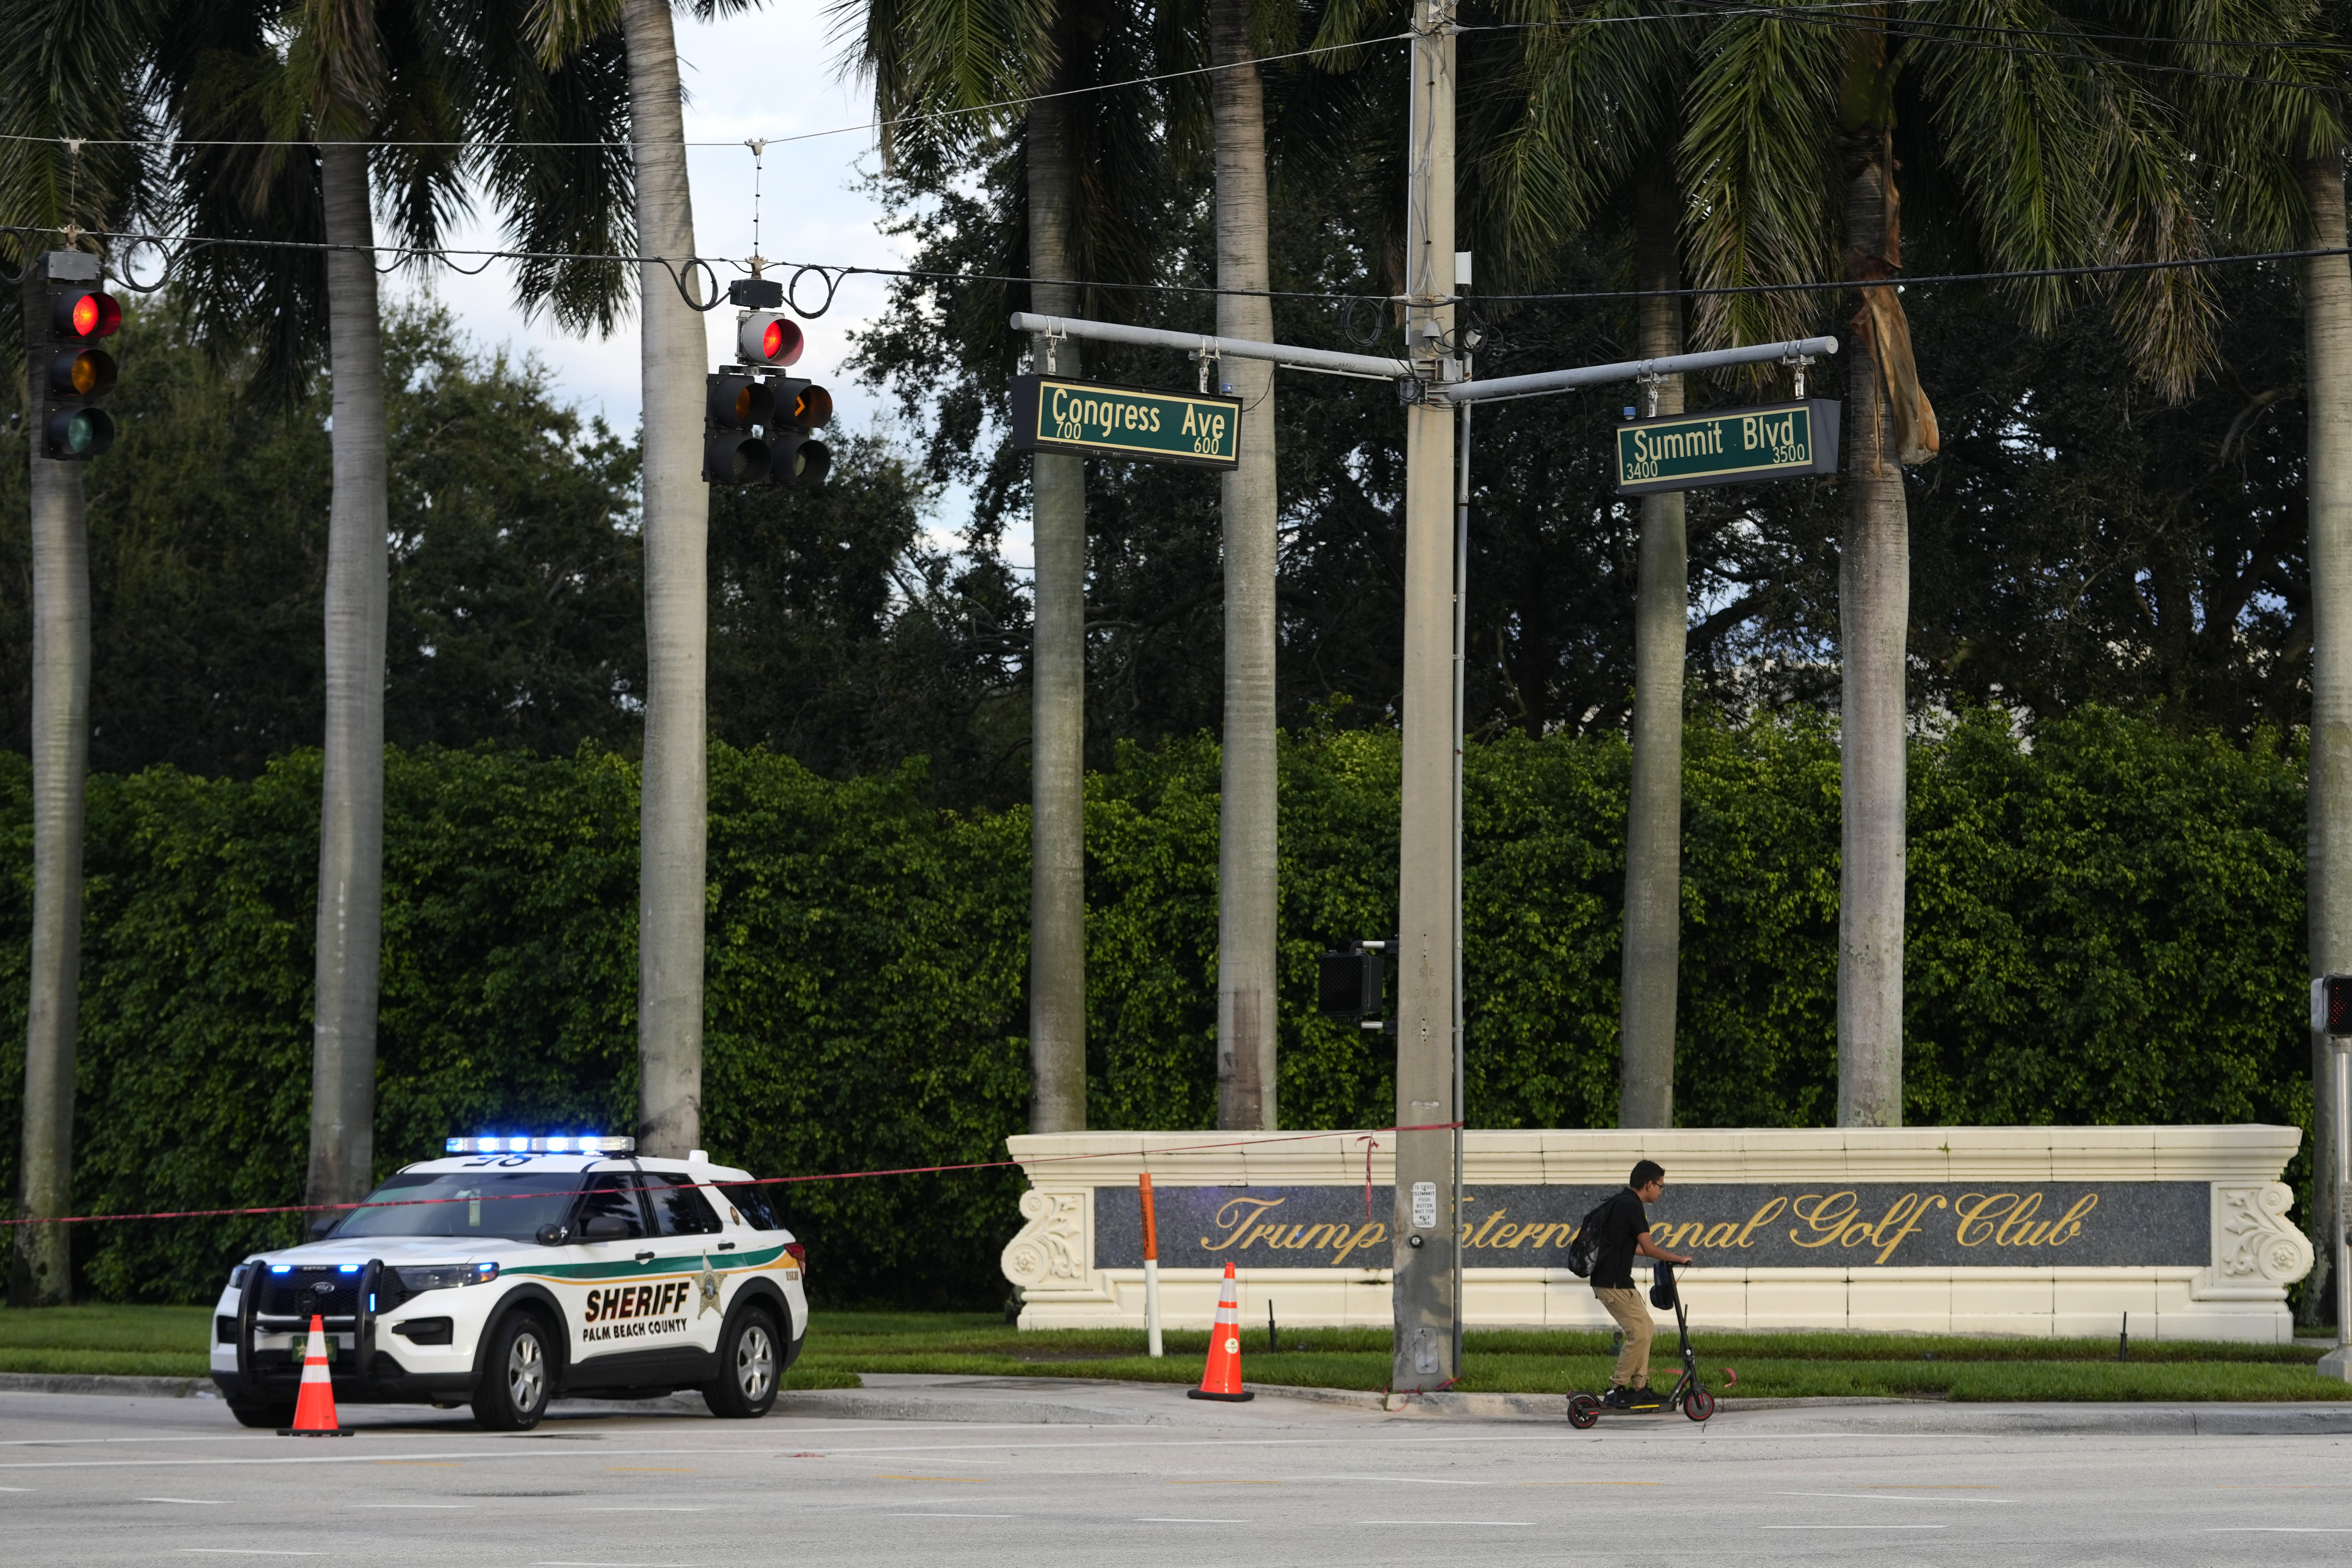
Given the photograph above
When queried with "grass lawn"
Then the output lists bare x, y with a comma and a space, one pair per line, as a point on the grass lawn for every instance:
170, 1342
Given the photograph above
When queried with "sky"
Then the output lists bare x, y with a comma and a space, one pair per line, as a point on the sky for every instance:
769, 73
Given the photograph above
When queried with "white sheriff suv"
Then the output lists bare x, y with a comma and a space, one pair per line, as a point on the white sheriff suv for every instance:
520, 1270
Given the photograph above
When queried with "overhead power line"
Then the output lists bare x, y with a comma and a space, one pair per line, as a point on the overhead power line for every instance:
834, 274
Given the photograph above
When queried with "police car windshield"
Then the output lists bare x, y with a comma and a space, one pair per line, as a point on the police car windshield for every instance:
508, 1203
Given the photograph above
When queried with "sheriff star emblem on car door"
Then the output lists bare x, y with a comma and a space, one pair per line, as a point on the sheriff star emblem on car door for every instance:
708, 1283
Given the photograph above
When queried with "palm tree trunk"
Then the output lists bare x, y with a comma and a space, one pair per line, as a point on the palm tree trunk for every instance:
674, 826
1058, 671
1654, 821
41, 1275
350, 806
2327, 370
1247, 1036
1874, 613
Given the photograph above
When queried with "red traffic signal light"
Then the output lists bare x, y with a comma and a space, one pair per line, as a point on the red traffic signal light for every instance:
764, 338
85, 313
79, 313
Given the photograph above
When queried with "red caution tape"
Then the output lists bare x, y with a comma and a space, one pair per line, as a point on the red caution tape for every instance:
756, 1182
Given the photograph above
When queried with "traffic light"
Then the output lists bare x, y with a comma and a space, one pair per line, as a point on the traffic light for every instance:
735, 407
765, 339
796, 457
1349, 984
2331, 1005
68, 367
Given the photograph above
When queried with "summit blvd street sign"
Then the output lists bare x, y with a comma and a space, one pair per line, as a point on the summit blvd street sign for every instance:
1094, 420
1729, 446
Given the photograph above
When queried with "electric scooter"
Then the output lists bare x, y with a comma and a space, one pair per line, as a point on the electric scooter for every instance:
1687, 1396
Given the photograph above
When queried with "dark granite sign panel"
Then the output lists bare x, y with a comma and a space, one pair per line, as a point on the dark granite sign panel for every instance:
1750, 1224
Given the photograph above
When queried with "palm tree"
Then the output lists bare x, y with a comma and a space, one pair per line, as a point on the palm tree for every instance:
2043, 152
70, 75
2271, 135
349, 89
1247, 805
674, 810
927, 61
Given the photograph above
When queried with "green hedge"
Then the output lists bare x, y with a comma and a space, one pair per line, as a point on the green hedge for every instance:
2106, 926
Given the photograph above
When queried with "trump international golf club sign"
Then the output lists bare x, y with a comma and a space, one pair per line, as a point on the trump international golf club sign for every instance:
2028, 1230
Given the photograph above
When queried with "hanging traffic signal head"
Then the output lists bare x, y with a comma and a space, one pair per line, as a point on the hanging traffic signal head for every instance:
733, 452
70, 369
765, 338
796, 458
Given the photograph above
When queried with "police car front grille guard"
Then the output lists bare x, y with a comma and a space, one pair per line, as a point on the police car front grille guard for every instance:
356, 1317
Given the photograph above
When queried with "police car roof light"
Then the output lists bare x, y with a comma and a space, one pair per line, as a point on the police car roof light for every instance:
581, 1143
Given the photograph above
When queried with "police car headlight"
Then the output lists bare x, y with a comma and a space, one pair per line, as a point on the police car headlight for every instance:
444, 1276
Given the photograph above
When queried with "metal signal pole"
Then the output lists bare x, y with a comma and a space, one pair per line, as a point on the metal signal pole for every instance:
1426, 1226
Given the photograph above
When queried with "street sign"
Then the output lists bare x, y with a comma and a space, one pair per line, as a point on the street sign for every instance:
1091, 419
1729, 446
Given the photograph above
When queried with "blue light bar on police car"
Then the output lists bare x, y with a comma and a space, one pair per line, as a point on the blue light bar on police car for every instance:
560, 1143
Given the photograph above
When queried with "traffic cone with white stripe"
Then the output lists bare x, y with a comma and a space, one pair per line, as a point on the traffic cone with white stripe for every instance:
1222, 1378
314, 1412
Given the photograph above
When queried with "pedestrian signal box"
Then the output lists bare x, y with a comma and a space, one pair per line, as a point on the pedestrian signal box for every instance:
1350, 984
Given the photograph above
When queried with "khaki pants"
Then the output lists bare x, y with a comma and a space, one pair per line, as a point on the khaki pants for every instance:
1633, 1315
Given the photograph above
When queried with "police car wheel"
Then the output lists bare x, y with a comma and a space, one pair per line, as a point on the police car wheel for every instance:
516, 1376
751, 1361
250, 1413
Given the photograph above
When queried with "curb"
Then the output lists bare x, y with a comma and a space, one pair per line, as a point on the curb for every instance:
120, 1387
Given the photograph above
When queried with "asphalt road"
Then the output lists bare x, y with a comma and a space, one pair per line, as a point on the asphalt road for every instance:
88, 1479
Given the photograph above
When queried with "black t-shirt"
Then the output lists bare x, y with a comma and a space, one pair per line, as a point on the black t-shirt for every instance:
1620, 1223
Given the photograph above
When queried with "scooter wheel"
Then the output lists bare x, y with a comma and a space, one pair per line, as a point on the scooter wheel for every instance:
1583, 1411
1699, 1405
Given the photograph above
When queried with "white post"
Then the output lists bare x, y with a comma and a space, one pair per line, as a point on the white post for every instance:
1150, 1270
2337, 1363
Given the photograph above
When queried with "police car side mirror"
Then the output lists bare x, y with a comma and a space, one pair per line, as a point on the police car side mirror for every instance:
321, 1225
552, 1234
605, 1228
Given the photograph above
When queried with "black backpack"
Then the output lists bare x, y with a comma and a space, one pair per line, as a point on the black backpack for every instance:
1585, 1250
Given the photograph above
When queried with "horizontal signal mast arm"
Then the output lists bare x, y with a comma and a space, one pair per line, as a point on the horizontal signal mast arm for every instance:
1236, 348
1629, 370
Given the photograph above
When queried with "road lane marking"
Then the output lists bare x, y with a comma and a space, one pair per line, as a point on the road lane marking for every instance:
246, 1552
2279, 1529
1588, 1483
1507, 1523
955, 1516
1922, 1487
1857, 1526
412, 1505
655, 1469
971, 1480
1248, 1483
644, 1507
1155, 1521
194, 1501
1896, 1497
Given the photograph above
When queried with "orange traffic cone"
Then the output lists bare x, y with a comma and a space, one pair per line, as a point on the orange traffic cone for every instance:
1222, 1378
314, 1412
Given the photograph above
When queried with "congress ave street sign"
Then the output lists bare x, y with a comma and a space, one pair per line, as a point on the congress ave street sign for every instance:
1729, 447
1091, 419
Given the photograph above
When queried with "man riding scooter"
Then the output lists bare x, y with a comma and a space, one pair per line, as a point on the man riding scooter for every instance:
1625, 1231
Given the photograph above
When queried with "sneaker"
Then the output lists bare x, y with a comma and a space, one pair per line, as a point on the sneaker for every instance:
1644, 1399
1618, 1397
